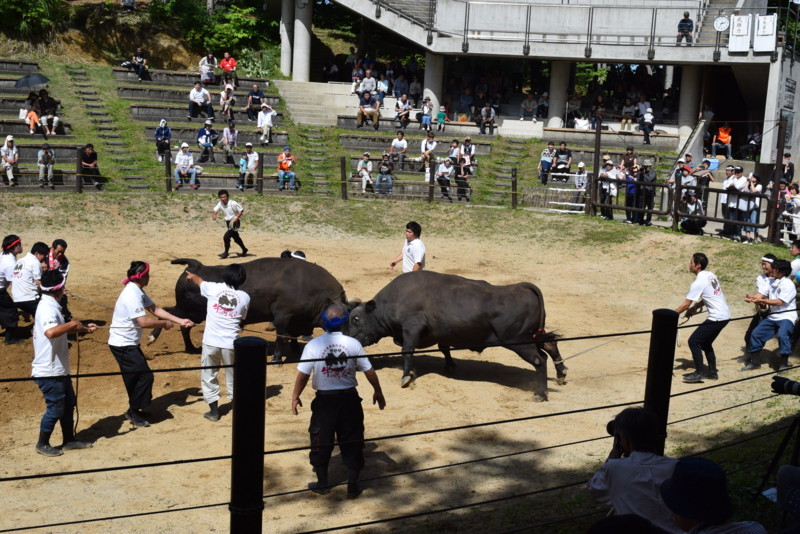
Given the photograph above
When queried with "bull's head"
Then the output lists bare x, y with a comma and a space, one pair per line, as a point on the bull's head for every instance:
363, 325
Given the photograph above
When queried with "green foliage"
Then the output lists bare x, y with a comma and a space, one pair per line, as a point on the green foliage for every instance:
230, 27
264, 63
190, 15
32, 19
585, 73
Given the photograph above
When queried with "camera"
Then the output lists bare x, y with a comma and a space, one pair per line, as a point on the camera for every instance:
785, 386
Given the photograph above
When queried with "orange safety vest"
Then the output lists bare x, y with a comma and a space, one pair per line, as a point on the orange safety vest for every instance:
724, 135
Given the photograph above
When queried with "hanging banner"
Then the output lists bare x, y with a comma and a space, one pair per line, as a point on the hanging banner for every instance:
766, 34
739, 37
789, 91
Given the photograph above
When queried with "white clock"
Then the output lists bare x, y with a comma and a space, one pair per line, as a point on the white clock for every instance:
721, 23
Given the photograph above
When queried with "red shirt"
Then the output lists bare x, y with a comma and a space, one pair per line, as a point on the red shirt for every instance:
228, 64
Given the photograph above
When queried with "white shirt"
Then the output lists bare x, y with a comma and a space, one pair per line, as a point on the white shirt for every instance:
252, 163
632, 485
426, 146
399, 145
229, 211
707, 286
723, 197
265, 118
413, 253
184, 160
199, 95
50, 356
337, 371
9, 152
784, 290
26, 272
763, 283
131, 304
226, 309
445, 171
741, 184
7, 263
795, 267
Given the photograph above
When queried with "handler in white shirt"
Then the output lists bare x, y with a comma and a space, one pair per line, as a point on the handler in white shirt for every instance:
12, 246
413, 253
225, 311
232, 212
25, 281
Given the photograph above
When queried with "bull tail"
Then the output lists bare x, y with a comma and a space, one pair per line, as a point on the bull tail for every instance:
538, 293
191, 263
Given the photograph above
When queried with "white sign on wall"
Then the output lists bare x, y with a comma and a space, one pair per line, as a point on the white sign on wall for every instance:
789, 91
766, 33
739, 37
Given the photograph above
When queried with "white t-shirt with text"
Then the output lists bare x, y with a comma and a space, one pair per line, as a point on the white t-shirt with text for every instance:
26, 272
50, 356
707, 286
337, 371
226, 309
131, 304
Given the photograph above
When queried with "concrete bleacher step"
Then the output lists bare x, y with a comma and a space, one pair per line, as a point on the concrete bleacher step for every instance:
247, 134
177, 78
13, 66
156, 112
179, 95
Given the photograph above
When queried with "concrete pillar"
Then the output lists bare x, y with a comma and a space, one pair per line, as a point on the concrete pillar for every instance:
689, 106
301, 52
433, 84
772, 112
559, 80
287, 32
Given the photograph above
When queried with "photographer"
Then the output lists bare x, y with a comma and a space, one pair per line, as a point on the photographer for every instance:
46, 159
781, 319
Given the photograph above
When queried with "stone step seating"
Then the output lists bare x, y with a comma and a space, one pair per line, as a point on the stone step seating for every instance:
165, 94
64, 180
662, 142
17, 127
247, 134
14, 66
378, 144
405, 188
178, 78
586, 155
386, 122
410, 165
221, 165
13, 103
66, 153
156, 112
215, 181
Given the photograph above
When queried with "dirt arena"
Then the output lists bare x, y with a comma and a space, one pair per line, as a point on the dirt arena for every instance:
589, 288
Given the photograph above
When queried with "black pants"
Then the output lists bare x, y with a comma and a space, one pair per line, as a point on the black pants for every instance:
648, 198
8, 313
29, 306
139, 383
700, 341
232, 233
337, 414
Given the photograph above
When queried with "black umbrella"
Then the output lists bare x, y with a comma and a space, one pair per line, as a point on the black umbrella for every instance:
31, 80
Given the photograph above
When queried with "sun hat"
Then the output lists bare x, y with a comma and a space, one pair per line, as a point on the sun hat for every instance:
185, 145
581, 164
9, 138
698, 490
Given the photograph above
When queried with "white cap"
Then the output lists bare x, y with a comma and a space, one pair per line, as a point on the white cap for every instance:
581, 164
229, 86
185, 145
649, 110
9, 138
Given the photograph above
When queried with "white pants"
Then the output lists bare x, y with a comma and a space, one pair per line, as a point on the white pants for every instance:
215, 356
45, 170
9, 171
365, 178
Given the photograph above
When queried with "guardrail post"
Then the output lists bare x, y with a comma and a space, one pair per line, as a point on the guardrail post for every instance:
247, 456
168, 163
429, 174
659, 369
78, 172
259, 185
773, 233
676, 205
513, 188
343, 167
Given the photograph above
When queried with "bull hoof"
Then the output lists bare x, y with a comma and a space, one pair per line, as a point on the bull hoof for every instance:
150, 340
539, 398
561, 380
269, 327
194, 350
407, 380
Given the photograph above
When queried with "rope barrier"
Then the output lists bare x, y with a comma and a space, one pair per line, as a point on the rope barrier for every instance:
723, 409
739, 442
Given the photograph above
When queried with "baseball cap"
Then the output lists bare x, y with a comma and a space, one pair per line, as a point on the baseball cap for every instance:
185, 145
609, 162
366, 154
9, 138
649, 110
208, 121
681, 160
264, 105
287, 147
248, 144
581, 164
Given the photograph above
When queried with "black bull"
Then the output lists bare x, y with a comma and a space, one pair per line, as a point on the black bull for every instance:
425, 308
288, 292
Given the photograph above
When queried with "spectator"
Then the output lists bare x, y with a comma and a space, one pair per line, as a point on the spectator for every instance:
228, 66
368, 84
364, 170
398, 150
200, 100
462, 173
400, 87
563, 160
48, 112
574, 105
743, 205
697, 495
26, 278
230, 140
207, 138
285, 163
10, 154
597, 110
385, 169
441, 119
382, 88
139, 60
402, 111
248, 167
426, 110
628, 111
781, 319
647, 125
162, 136
89, 166
356, 75
57, 261
330, 72
753, 145
692, 206
367, 108
415, 91
629, 159
704, 177
207, 66
453, 152
32, 116
641, 106
630, 477
608, 189
647, 193
685, 29
631, 192
465, 102
787, 173
546, 162
255, 101
753, 208
443, 175
184, 166
426, 149
351, 59
722, 139
543, 107
467, 151
264, 126
45, 159
528, 108
486, 118
227, 101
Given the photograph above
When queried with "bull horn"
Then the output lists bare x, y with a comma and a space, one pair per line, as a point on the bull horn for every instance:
354, 301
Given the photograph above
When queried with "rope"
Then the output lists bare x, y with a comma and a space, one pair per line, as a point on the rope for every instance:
77, 387
722, 409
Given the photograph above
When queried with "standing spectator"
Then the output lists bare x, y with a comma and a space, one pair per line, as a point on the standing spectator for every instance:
608, 189
184, 166
255, 100
364, 170
200, 99
207, 138
631, 192
385, 169
426, 149
12, 246
57, 261
50, 367
402, 111
336, 410
722, 139
727, 230
162, 136
139, 61
285, 163
743, 206
26, 278
248, 167
228, 66
685, 29
647, 192
781, 318
630, 477
45, 159
227, 101
647, 125
763, 284
415, 91
753, 208
130, 316
787, 172
413, 253
427, 110
398, 150
486, 118
629, 159
207, 66
707, 289
232, 213
546, 162
10, 154
230, 140
226, 309
48, 112
462, 179
89, 166
704, 177
265, 122
367, 108
528, 108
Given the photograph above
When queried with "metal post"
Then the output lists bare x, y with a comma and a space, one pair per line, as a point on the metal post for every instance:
676, 204
659, 369
593, 182
78, 172
259, 185
774, 234
343, 166
168, 164
513, 187
429, 173
247, 462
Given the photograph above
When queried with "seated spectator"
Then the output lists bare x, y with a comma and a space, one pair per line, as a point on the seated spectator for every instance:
574, 105
692, 206
646, 125
45, 159
32, 120
441, 119
285, 163
543, 107
415, 91
364, 170
226, 101
466, 101
722, 139
630, 477
207, 139
48, 112
162, 136
384, 175
138, 63
598, 109
10, 158
462, 173
753, 145
563, 160
426, 149
367, 108
89, 166
368, 84
230, 140
486, 118
207, 66
528, 108
697, 495
248, 167
264, 126
200, 100
330, 72
641, 106
546, 161
398, 150
255, 101
382, 88
443, 174
184, 167
401, 87
467, 151
402, 111
628, 112
228, 66
356, 75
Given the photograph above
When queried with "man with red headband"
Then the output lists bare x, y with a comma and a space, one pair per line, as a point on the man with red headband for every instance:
130, 316
12, 245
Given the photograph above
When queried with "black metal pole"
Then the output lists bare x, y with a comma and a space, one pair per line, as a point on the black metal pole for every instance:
78, 172
513, 187
596, 163
259, 185
774, 234
343, 181
247, 463
659, 368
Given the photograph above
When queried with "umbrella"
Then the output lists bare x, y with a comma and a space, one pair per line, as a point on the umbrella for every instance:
31, 80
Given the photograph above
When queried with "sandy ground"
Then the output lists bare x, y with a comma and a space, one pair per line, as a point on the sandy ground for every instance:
585, 294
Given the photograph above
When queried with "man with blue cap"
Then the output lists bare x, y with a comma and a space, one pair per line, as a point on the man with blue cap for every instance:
333, 359
285, 162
